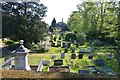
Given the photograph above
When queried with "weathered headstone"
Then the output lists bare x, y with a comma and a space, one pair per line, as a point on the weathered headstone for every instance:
73, 56
81, 51
77, 45
73, 50
63, 55
58, 62
66, 50
80, 56
53, 56
99, 62
109, 56
88, 50
90, 57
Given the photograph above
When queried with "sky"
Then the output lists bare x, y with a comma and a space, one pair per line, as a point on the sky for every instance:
59, 9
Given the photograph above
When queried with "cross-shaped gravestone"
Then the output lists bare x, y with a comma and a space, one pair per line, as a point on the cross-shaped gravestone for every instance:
73, 56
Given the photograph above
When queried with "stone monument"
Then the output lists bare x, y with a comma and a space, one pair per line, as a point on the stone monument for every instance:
21, 57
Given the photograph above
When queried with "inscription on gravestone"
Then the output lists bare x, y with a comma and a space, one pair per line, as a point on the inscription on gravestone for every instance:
58, 62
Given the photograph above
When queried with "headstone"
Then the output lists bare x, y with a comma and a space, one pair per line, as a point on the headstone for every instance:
77, 45
83, 72
6, 59
59, 43
73, 56
58, 62
66, 50
69, 45
80, 56
21, 57
53, 56
99, 62
63, 44
90, 57
81, 51
63, 55
53, 44
73, 50
109, 56
88, 50
54, 38
66, 44
116, 55
75, 42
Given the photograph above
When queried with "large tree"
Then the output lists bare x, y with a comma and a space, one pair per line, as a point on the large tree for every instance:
23, 20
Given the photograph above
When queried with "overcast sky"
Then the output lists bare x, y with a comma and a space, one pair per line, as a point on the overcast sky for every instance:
59, 9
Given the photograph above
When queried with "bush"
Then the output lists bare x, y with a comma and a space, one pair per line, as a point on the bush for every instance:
71, 36
9, 42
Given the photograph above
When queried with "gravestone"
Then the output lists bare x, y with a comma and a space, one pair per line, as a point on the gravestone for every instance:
75, 42
83, 72
53, 56
66, 44
63, 55
54, 38
116, 56
6, 59
21, 57
81, 51
66, 50
58, 62
90, 57
80, 56
73, 56
77, 45
63, 45
109, 56
53, 44
73, 50
59, 43
99, 62
88, 50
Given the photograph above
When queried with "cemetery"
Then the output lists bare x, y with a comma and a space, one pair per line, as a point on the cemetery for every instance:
87, 45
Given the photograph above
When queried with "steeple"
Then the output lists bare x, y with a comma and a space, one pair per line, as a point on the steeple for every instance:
62, 19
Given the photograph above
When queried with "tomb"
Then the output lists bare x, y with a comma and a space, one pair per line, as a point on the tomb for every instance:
99, 62
58, 62
80, 56
63, 55
73, 56
42, 64
21, 57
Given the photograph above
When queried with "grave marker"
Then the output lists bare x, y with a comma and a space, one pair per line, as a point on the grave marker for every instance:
80, 56
58, 62
73, 50
63, 55
73, 56
109, 56
53, 56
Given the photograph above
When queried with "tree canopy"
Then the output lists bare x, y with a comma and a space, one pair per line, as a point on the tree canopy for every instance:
23, 20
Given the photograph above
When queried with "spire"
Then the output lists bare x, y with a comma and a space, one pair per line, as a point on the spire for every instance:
62, 19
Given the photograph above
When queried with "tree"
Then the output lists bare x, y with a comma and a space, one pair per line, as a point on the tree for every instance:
23, 20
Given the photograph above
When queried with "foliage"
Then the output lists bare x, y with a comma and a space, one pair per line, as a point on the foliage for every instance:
23, 20
71, 36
